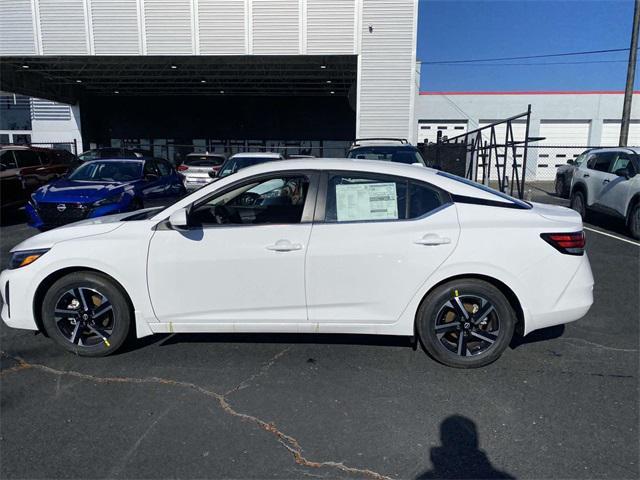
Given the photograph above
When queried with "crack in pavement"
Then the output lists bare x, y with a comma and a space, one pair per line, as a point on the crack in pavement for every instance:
245, 383
287, 441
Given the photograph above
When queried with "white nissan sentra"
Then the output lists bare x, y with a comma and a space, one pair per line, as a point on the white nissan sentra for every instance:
311, 246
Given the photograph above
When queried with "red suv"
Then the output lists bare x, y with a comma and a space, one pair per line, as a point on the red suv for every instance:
24, 169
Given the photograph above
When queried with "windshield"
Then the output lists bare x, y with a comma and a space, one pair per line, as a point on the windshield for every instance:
108, 171
203, 160
387, 154
234, 164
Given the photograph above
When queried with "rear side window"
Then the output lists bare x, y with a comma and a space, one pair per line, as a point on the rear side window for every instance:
163, 167
601, 161
623, 160
367, 198
7, 160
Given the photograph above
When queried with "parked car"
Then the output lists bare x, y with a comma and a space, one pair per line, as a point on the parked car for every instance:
243, 160
24, 169
102, 187
396, 150
114, 152
197, 167
607, 181
564, 175
317, 246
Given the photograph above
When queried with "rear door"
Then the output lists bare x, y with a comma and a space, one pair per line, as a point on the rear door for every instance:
31, 169
375, 240
618, 190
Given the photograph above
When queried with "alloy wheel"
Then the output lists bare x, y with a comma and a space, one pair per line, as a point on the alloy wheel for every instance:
467, 325
84, 316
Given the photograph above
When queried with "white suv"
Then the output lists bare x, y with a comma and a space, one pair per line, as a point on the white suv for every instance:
609, 182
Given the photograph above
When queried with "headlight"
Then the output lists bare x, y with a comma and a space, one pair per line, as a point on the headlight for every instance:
108, 200
25, 257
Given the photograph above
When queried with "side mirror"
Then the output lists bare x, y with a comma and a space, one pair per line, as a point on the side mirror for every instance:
571, 162
213, 174
179, 219
417, 164
622, 172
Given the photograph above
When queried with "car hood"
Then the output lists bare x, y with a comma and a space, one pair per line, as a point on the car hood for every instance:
557, 213
83, 228
65, 190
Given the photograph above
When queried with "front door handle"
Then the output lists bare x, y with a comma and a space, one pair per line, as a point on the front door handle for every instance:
284, 246
432, 239
605, 182
585, 175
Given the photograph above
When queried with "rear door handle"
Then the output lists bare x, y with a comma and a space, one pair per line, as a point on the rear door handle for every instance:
605, 181
432, 239
284, 246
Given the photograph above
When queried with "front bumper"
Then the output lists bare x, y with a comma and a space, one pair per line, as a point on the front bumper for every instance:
15, 287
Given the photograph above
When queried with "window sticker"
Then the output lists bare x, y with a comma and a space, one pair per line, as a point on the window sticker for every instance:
367, 201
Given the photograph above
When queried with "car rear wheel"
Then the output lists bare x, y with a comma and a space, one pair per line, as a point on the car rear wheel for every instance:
579, 204
87, 314
465, 323
634, 221
560, 186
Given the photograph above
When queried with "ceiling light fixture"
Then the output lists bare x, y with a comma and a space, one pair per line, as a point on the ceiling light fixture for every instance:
332, 92
25, 66
78, 81
174, 66
323, 66
328, 81
221, 91
116, 91
203, 81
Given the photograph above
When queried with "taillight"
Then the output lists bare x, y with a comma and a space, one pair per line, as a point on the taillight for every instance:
182, 168
569, 243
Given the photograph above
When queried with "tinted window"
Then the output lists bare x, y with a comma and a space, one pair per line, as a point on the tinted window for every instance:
423, 199
163, 167
27, 158
601, 161
234, 164
150, 168
365, 198
203, 160
8, 160
623, 160
387, 154
274, 200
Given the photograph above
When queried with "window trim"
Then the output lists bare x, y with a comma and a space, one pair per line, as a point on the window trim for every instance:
323, 191
307, 212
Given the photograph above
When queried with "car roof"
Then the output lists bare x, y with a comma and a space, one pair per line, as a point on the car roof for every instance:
614, 149
257, 155
119, 160
194, 154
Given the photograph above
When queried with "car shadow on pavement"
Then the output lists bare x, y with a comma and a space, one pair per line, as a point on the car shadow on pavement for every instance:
459, 456
541, 335
9, 217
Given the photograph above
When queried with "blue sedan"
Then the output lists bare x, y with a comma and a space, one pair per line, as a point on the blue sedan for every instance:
102, 187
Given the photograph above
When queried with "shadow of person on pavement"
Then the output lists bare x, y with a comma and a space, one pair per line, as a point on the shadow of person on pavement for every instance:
459, 456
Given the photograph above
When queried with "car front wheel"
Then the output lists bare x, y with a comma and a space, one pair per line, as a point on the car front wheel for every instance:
465, 323
87, 314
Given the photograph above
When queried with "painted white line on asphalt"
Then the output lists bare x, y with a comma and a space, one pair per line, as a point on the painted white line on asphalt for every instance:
622, 239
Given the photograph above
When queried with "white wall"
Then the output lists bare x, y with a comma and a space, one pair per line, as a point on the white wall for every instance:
53, 122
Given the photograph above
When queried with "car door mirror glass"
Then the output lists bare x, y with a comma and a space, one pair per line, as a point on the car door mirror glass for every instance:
179, 219
571, 162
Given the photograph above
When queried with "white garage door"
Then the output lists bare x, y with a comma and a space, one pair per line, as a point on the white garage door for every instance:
611, 133
569, 136
519, 130
428, 129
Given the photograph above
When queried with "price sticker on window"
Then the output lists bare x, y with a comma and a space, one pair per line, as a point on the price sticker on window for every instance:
367, 201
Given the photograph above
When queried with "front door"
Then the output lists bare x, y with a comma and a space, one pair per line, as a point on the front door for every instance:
242, 260
597, 175
618, 190
377, 242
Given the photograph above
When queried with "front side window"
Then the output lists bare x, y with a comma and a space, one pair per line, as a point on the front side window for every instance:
150, 168
275, 200
7, 160
601, 161
163, 167
366, 198
234, 164
111, 171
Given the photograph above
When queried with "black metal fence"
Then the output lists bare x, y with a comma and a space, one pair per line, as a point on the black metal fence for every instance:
68, 145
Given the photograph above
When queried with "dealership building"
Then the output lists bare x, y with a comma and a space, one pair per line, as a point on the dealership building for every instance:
297, 76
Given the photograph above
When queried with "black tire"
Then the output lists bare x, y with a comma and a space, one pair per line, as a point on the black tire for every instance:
100, 330
443, 344
560, 187
579, 204
634, 221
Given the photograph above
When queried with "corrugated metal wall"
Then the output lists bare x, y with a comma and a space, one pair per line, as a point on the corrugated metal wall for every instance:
115, 27
330, 26
222, 29
387, 68
169, 27
48, 110
16, 28
63, 27
276, 27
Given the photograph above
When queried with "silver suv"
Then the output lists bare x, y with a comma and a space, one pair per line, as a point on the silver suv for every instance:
386, 149
609, 182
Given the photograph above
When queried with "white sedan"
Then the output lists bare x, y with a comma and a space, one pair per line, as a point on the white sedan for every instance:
311, 246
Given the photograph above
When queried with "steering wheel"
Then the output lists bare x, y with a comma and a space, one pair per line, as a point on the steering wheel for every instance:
249, 198
221, 214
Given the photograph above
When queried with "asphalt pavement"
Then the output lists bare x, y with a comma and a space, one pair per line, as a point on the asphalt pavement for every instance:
560, 403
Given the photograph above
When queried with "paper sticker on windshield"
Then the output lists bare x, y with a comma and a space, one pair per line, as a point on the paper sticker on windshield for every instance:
367, 201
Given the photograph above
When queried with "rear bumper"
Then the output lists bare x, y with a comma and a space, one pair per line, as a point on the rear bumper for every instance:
573, 304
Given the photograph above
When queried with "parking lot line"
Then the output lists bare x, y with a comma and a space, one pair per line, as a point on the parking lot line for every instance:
622, 239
